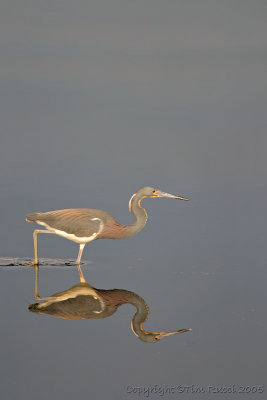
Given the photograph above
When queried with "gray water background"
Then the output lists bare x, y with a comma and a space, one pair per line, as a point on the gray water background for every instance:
98, 98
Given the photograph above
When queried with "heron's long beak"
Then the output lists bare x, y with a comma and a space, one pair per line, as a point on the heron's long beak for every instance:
164, 334
159, 193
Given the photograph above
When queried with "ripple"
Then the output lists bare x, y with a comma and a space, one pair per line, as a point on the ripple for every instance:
6, 262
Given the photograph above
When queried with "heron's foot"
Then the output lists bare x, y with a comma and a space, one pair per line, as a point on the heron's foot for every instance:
30, 264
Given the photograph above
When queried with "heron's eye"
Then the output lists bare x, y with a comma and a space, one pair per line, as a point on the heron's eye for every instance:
154, 191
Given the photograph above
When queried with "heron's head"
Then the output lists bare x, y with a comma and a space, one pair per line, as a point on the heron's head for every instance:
148, 191
152, 337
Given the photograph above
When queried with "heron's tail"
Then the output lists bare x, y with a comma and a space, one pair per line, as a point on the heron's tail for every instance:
32, 217
34, 307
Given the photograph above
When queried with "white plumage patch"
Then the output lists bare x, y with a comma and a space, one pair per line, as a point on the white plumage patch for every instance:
72, 294
130, 202
71, 236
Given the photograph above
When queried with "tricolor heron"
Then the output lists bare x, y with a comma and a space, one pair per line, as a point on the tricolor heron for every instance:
82, 225
83, 301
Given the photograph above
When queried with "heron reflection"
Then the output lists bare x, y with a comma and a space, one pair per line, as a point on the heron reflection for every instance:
83, 301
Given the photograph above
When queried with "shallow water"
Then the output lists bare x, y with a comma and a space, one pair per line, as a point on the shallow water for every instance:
223, 304
96, 100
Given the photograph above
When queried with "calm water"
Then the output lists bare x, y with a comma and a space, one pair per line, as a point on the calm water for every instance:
96, 100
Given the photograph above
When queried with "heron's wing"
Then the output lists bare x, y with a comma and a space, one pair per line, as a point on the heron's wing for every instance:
81, 222
80, 307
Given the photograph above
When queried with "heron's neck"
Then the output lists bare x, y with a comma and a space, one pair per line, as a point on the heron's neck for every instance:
140, 316
116, 297
139, 212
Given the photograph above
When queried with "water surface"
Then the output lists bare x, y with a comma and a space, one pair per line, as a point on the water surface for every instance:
96, 100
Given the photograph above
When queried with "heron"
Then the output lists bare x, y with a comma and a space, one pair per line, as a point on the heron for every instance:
83, 301
83, 225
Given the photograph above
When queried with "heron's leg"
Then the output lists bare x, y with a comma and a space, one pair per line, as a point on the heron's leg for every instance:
35, 234
36, 279
82, 279
78, 261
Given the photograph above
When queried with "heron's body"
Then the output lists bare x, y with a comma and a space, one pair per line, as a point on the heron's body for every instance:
82, 225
